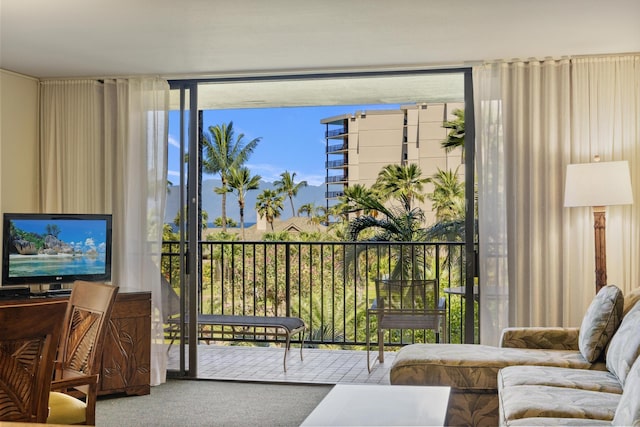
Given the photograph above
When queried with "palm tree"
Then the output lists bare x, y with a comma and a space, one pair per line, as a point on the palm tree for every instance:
241, 181
349, 201
455, 137
269, 205
306, 209
287, 186
398, 225
402, 182
448, 196
223, 153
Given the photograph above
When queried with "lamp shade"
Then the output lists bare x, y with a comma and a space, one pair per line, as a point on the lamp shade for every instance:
598, 184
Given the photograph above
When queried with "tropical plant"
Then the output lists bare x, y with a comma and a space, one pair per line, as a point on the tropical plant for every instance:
229, 222
448, 196
397, 225
241, 181
402, 182
455, 137
53, 229
287, 185
221, 154
177, 220
349, 201
269, 205
306, 209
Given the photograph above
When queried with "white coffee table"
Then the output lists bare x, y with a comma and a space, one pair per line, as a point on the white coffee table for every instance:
381, 405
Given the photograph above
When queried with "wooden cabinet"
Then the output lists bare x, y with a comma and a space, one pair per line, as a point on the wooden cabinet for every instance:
126, 358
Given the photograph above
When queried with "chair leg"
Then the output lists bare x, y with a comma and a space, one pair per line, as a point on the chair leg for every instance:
301, 343
367, 333
380, 344
286, 350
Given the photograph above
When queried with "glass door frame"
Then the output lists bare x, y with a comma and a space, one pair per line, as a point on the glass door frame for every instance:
189, 265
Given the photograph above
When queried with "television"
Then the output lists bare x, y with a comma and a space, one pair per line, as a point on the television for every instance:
52, 249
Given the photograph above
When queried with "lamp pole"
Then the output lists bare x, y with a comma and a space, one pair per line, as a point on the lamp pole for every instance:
599, 225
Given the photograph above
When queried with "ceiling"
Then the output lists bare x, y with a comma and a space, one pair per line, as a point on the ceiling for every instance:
221, 38
172, 38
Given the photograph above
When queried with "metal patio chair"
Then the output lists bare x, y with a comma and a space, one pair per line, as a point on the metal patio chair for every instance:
406, 304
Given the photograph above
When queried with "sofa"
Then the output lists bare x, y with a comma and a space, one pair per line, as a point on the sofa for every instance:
484, 392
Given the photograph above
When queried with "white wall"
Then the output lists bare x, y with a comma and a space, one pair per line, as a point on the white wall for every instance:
19, 154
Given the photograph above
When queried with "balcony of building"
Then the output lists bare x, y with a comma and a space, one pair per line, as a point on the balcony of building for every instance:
330, 285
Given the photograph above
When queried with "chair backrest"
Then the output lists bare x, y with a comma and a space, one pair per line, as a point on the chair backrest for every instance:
29, 335
407, 295
170, 299
86, 320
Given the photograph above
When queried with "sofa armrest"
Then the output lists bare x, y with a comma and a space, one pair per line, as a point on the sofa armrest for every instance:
553, 338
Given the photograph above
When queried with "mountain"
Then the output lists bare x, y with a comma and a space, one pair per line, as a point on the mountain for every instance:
211, 201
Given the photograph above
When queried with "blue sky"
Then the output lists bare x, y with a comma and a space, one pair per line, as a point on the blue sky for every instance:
292, 138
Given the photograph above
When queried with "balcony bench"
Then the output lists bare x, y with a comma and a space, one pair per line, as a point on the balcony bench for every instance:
273, 326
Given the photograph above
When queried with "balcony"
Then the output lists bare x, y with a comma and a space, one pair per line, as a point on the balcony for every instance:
335, 132
334, 164
336, 178
329, 285
337, 148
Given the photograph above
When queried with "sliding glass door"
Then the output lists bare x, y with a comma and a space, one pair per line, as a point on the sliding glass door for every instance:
200, 105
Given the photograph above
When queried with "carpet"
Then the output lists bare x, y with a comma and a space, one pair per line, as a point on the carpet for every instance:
212, 403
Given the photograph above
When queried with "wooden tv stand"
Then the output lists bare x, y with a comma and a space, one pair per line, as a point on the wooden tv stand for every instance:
126, 357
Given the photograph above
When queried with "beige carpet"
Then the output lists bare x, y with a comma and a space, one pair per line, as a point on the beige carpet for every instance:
212, 403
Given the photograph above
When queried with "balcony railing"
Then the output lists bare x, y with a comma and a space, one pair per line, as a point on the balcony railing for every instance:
329, 285
334, 163
335, 132
333, 194
337, 147
336, 178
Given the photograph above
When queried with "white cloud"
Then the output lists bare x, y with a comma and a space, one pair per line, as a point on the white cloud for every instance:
173, 173
271, 173
268, 172
312, 179
174, 142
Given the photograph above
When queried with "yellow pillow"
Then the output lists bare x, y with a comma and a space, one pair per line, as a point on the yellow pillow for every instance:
65, 409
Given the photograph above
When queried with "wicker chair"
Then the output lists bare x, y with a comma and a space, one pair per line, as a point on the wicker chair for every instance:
29, 335
75, 386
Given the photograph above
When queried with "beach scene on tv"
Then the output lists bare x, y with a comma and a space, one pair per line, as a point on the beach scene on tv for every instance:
50, 247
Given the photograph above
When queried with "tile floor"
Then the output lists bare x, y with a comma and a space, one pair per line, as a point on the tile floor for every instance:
266, 364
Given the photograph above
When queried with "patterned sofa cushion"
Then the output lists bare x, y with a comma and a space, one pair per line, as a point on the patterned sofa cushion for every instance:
624, 347
581, 379
528, 401
547, 421
630, 300
471, 366
600, 322
628, 411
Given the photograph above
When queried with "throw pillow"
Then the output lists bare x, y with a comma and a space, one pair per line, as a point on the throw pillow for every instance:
630, 300
624, 347
600, 322
628, 411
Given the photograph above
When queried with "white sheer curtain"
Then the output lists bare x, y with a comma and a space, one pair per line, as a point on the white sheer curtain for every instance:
103, 149
532, 119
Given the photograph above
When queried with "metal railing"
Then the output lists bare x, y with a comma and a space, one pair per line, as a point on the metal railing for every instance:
335, 132
334, 163
337, 147
336, 178
329, 285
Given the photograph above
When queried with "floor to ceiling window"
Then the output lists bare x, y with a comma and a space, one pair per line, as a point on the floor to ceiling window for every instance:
297, 123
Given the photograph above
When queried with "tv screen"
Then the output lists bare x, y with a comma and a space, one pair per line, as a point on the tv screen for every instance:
55, 248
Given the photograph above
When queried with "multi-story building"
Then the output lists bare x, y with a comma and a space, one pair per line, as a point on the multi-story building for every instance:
359, 145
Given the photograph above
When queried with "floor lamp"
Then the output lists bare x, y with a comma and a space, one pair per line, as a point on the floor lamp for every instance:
598, 184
